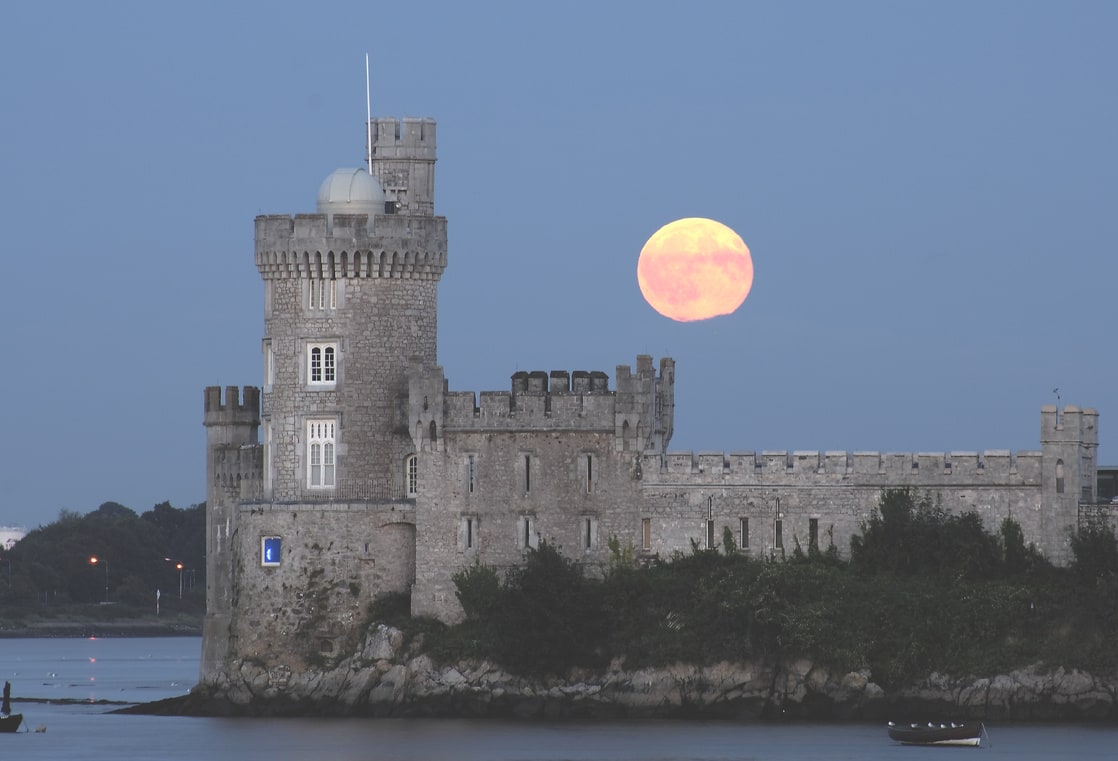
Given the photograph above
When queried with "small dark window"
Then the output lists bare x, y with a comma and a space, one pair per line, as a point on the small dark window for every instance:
743, 531
527, 473
813, 533
778, 538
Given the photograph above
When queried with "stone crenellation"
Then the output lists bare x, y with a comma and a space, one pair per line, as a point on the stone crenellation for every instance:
355, 469
920, 469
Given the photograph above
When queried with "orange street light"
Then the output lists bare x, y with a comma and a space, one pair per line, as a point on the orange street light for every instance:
180, 566
94, 561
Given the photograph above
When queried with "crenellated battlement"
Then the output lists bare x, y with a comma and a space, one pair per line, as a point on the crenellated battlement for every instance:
638, 413
411, 138
308, 245
919, 469
231, 409
1072, 424
403, 161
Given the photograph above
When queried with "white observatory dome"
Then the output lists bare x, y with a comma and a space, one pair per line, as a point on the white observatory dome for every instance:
351, 191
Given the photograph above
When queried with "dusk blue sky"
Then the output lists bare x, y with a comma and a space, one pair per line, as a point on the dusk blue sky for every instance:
928, 190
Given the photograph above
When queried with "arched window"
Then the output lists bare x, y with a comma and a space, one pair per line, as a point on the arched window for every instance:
321, 364
1059, 476
411, 475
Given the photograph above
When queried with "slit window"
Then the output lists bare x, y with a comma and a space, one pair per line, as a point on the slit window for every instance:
468, 533
813, 533
646, 533
778, 535
526, 532
588, 532
743, 533
471, 474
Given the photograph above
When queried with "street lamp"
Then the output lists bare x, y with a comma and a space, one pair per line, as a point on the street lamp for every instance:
178, 565
94, 561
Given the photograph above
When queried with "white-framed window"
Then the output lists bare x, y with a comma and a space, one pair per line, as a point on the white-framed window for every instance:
269, 365
270, 551
321, 441
322, 364
322, 293
468, 527
411, 475
267, 425
526, 534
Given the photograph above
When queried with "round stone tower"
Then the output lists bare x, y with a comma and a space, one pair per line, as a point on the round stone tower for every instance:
350, 301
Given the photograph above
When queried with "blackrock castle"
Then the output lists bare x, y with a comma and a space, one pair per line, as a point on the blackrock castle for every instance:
355, 470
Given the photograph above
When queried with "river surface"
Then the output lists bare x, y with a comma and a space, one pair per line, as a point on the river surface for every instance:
87, 678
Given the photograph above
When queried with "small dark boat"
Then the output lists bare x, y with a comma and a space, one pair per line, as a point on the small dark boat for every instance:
938, 733
9, 722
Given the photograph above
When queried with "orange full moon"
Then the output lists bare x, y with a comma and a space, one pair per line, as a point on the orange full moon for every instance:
695, 269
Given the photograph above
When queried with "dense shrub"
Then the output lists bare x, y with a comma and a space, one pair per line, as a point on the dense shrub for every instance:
924, 591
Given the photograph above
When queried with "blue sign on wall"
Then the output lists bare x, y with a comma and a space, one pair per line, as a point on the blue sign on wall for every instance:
270, 550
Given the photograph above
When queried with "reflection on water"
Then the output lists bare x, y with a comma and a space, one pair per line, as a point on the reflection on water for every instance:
119, 669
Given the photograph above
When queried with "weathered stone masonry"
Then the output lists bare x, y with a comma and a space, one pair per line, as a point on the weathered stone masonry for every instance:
363, 473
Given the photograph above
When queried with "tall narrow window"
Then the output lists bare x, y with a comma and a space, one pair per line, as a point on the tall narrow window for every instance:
468, 533
813, 533
320, 453
778, 535
321, 364
269, 365
588, 532
526, 532
743, 533
322, 293
1059, 476
411, 475
267, 457
646, 533
589, 473
471, 473
527, 473
710, 534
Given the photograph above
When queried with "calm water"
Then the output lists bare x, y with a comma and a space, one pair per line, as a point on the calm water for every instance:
140, 670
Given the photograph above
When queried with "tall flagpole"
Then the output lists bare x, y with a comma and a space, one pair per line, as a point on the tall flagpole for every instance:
368, 115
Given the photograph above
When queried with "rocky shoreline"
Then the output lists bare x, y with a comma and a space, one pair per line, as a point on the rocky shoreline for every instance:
386, 680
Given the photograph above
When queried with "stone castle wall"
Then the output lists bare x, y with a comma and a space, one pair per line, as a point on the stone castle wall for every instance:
336, 558
560, 456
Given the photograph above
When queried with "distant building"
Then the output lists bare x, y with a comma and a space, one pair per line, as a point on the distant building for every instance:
355, 470
9, 535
